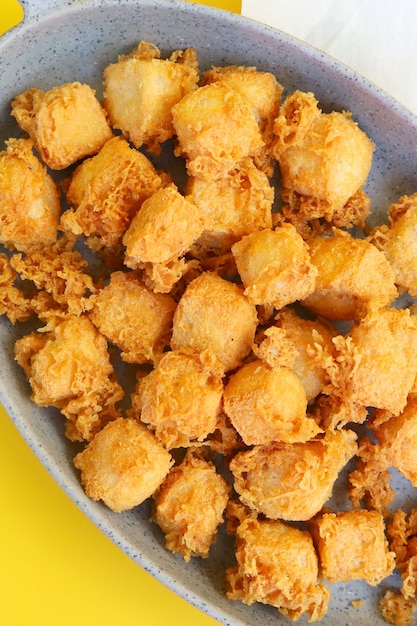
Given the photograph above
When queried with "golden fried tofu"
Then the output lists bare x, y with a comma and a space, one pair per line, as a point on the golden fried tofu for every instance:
277, 565
233, 206
133, 317
214, 315
123, 465
324, 158
370, 357
274, 266
352, 546
60, 271
106, 191
397, 241
396, 609
13, 301
141, 89
180, 399
353, 277
300, 344
189, 506
66, 123
262, 91
267, 404
370, 482
216, 128
292, 481
402, 534
68, 367
29, 199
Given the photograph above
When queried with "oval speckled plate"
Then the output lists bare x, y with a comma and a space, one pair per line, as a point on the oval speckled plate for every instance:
75, 42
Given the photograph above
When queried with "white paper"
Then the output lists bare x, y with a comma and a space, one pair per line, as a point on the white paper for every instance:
377, 38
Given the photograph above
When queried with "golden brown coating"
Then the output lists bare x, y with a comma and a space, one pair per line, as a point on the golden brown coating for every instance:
13, 301
324, 158
66, 123
352, 546
123, 465
181, 398
214, 315
397, 241
29, 200
189, 506
370, 482
274, 266
133, 317
277, 565
402, 534
292, 481
68, 367
216, 128
60, 271
396, 609
141, 89
365, 369
232, 206
106, 191
267, 404
263, 92
353, 277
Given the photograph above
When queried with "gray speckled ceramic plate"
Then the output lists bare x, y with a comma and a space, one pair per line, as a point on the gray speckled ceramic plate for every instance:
75, 42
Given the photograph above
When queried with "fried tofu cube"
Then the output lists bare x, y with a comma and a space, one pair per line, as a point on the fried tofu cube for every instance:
68, 366
352, 546
353, 277
268, 404
292, 481
66, 123
123, 465
141, 89
233, 207
106, 191
397, 241
189, 506
274, 266
324, 158
214, 315
180, 399
277, 565
133, 317
216, 128
29, 199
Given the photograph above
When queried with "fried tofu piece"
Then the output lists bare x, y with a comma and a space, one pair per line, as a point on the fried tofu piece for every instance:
141, 89
68, 367
13, 301
106, 191
274, 266
397, 241
277, 565
268, 404
301, 345
365, 368
396, 609
66, 123
233, 206
60, 271
352, 546
353, 277
216, 128
371, 480
189, 506
123, 465
133, 317
29, 199
402, 534
214, 315
180, 399
292, 481
324, 158
263, 92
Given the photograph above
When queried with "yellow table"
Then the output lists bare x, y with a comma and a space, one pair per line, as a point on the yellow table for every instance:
56, 567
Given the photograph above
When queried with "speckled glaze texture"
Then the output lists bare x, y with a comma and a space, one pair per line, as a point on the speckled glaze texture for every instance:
76, 42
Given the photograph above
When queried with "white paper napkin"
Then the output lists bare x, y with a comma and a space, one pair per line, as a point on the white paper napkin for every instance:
377, 38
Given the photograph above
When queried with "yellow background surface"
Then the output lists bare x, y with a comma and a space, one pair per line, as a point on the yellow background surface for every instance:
56, 567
